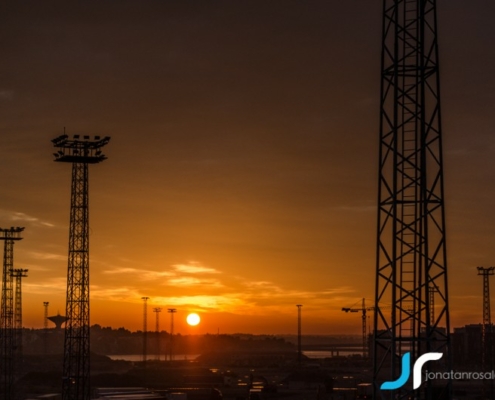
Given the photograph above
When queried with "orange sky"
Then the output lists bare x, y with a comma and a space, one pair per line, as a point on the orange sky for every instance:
242, 171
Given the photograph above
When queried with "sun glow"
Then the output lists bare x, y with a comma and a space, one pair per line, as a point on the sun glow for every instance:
193, 319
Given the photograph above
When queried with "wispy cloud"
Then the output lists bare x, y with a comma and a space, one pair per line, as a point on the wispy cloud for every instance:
142, 274
217, 303
23, 218
201, 291
128, 294
339, 290
194, 268
56, 285
178, 275
46, 256
193, 281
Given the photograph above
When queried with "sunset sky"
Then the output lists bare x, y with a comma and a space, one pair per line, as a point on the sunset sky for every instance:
241, 177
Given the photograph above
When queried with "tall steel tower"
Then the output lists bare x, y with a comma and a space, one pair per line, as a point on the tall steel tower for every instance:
7, 320
172, 311
299, 348
145, 329
80, 152
18, 274
411, 249
157, 310
487, 332
45, 328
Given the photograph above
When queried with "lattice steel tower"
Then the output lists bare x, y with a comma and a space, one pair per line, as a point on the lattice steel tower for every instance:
80, 152
18, 274
487, 332
7, 316
45, 328
411, 249
157, 310
145, 329
172, 311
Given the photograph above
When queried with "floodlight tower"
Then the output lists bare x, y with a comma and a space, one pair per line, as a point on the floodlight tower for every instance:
411, 248
487, 334
18, 274
172, 311
157, 310
299, 348
80, 152
145, 328
45, 328
7, 320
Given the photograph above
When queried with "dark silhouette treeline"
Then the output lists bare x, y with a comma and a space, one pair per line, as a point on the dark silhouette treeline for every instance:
109, 341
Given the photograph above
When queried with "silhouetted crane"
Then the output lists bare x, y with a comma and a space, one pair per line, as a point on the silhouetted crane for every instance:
363, 310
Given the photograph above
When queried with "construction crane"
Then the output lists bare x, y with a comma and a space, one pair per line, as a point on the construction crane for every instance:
363, 310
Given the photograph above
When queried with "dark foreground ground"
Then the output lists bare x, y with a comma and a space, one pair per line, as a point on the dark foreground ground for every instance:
238, 376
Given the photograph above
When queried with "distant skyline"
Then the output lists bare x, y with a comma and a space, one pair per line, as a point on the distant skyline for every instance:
241, 176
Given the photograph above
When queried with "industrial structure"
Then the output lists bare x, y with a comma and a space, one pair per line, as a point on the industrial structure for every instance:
7, 315
411, 248
362, 310
45, 328
172, 311
8, 326
486, 331
80, 152
299, 332
157, 311
145, 329
58, 320
18, 274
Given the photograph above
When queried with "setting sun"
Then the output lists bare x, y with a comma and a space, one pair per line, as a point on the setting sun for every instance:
193, 319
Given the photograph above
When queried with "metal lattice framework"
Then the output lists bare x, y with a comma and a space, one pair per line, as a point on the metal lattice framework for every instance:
45, 328
299, 334
363, 309
7, 316
486, 333
411, 250
80, 152
145, 329
172, 311
157, 310
18, 274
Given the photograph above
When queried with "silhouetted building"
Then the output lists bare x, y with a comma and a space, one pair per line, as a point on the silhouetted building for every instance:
467, 345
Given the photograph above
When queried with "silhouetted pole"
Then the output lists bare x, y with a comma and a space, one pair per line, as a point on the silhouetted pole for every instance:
157, 310
80, 152
18, 274
486, 333
433, 290
172, 311
145, 328
45, 328
7, 320
299, 348
411, 252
